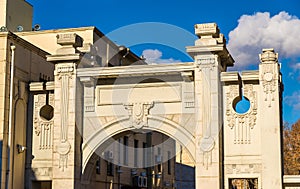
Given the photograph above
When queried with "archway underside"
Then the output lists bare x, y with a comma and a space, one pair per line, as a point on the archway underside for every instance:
169, 128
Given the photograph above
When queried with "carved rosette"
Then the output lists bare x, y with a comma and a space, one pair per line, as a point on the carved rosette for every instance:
138, 113
241, 124
65, 73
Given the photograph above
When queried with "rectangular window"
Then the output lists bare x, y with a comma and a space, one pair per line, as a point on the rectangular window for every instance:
98, 166
169, 162
159, 160
249, 183
110, 169
159, 168
136, 157
125, 152
119, 151
145, 154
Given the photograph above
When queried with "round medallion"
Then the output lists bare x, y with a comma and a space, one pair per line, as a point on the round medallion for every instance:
268, 76
63, 148
207, 144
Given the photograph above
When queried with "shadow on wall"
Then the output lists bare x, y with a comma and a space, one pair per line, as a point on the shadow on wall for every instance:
185, 176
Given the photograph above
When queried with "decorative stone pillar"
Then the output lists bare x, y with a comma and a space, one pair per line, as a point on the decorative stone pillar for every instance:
66, 171
211, 58
270, 118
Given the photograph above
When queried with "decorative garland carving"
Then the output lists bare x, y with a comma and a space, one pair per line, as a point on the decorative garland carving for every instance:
268, 79
207, 142
64, 73
138, 113
43, 128
206, 62
241, 123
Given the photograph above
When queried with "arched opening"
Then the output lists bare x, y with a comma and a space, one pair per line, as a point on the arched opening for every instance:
241, 105
19, 140
47, 112
140, 159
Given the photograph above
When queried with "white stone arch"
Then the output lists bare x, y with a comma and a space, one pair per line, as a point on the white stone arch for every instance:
110, 129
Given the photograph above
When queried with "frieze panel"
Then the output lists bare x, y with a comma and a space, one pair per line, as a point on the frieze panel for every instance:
242, 168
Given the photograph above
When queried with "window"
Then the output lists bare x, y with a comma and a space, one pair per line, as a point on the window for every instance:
136, 146
110, 169
98, 166
169, 162
145, 154
125, 152
159, 159
249, 183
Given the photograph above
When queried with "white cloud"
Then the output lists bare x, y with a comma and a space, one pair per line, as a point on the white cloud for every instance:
155, 56
293, 100
296, 66
260, 30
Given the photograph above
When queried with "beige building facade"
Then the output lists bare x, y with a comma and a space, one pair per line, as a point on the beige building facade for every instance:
72, 96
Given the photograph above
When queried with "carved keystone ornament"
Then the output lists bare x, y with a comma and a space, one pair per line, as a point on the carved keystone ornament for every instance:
138, 113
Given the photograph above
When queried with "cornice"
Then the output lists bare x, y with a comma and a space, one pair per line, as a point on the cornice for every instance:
103, 72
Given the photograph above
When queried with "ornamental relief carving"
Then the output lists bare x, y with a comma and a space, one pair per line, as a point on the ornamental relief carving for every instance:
242, 168
241, 124
64, 73
138, 113
206, 62
65, 70
43, 120
268, 80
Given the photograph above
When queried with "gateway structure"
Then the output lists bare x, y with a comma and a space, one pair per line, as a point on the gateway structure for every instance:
67, 93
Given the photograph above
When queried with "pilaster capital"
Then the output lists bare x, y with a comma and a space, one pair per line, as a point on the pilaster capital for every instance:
268, 56
69, 39
65, 69
88, 81
68, 51
211, 42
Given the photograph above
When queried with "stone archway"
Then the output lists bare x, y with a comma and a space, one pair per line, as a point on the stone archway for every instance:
201, 89
169, 128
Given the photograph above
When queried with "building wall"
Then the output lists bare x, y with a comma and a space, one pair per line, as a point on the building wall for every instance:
30, 64
16, 13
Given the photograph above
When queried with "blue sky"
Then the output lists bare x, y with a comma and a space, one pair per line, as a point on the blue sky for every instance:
248, 26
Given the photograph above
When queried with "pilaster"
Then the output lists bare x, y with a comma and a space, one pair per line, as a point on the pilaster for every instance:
210, 58
270, 119
66, 172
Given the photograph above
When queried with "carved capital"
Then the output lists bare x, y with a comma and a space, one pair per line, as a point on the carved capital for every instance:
67, 69
210, 29
206, 63
67, 39
268, 56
